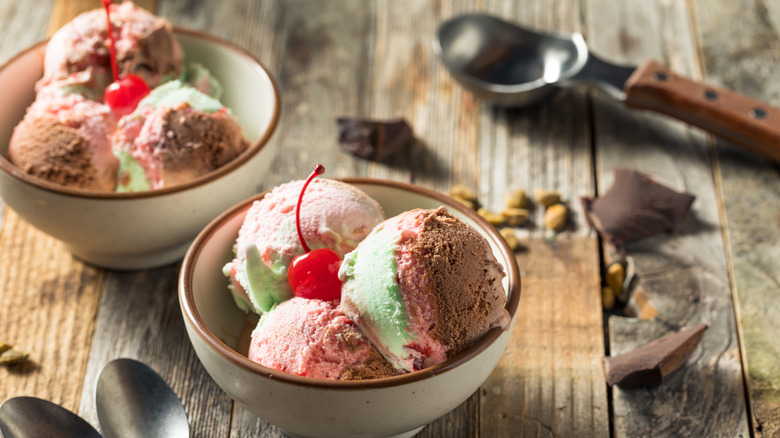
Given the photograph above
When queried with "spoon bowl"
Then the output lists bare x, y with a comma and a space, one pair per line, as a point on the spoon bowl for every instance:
31, 417
507, 64
132, 400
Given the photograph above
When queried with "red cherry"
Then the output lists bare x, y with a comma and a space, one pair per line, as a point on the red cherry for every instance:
123, 95
313, 274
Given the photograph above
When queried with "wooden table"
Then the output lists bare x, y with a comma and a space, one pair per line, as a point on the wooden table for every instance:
375, 59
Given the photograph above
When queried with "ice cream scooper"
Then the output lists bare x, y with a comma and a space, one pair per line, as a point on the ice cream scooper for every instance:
509, 65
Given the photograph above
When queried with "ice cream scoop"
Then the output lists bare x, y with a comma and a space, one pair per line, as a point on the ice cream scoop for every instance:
175, 135
65, 138
423, 286
77, 55
314, 338
334, 215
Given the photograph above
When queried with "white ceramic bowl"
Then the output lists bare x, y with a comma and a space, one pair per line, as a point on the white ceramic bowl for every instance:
154, 228
394, 406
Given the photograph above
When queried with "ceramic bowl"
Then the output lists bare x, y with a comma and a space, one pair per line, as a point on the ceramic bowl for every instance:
308, 407
154, 228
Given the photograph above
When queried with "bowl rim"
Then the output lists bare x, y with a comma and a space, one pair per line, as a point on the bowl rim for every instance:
187, 303
253, 149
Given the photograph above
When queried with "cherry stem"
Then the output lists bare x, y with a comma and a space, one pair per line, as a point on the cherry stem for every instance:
319, 169
112, 48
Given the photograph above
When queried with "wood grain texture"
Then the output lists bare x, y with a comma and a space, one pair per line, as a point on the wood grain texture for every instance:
324, 49
685, 276
745, 121
728, 31
542, 147
550, 380
50, 299
49, 304
63, 11
374, 59
140, 318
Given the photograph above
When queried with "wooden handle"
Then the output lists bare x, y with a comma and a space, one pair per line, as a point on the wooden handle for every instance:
739, 119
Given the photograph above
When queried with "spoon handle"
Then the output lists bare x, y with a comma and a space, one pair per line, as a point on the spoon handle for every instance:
744, 121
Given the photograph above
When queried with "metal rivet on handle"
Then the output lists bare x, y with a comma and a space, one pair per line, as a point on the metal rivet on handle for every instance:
758, 113
660, 76
710, 94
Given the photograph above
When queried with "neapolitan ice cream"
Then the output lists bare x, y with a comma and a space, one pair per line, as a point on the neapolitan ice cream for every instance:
66, 139
334, 215
418, 289
423, 287
314, 338
175, 135
78, 54
72, 138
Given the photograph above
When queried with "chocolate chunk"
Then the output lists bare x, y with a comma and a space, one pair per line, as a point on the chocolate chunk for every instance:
373, 139
649, 365
635, 207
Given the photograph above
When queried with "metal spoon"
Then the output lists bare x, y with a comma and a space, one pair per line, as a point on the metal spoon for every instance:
31, 417
132, 400
509, 65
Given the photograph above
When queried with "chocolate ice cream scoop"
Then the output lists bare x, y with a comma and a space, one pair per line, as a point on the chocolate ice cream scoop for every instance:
196, 143
423, 287
175, 135
65, 139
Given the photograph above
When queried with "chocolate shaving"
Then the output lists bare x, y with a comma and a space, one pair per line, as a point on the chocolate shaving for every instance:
373, 139
635, 207
649, 365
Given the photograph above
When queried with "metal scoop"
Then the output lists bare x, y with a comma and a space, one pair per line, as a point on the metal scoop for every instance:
512, 66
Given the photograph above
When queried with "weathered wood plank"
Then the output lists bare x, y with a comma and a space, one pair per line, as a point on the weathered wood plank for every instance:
63, 11
139, 317
323, 51
49, 304
741, 51
550, 382
685, 276
50, 299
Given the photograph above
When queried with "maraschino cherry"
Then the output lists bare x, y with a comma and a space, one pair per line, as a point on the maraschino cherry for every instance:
123, 94
314, 274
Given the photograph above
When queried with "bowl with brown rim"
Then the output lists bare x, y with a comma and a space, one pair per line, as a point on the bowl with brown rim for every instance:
308, 407
151, 228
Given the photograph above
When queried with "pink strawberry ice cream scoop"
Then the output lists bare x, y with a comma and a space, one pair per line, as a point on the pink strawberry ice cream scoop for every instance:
313, 338
423, 287
78, 56
65, 139
334, 215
